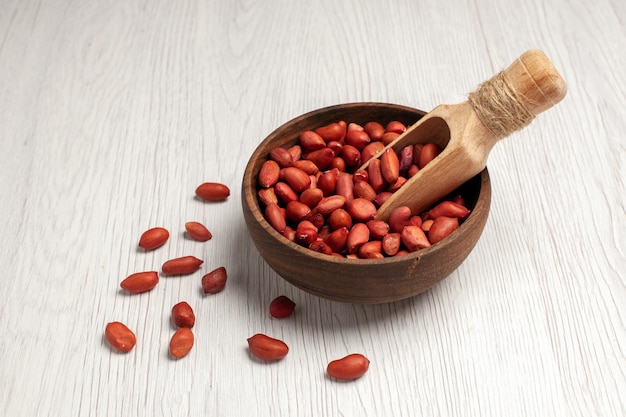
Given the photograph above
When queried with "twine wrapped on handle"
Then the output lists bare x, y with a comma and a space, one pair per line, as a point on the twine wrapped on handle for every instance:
498, 107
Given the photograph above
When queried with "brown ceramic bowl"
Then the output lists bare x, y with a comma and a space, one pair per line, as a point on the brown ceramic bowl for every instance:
364, 281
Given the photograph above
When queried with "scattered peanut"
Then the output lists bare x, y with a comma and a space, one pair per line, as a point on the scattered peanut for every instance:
140, 282
181, 342
181, 266
349, 367
214, 281
281, 307
120, 336
183, 315
213, 191
267, 348
153, 238
198, 231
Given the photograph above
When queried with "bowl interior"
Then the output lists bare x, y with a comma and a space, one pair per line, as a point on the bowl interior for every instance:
359, 280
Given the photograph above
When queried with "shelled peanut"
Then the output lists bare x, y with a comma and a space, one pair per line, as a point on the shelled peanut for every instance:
315, 193
118, 334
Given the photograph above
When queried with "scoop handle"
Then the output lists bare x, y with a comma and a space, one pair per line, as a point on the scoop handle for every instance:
537, 82
511, 99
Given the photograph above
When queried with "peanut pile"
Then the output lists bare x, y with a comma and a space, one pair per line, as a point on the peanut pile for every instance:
316, 195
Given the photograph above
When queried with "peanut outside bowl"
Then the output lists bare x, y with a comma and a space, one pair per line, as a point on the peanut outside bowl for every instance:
362, 281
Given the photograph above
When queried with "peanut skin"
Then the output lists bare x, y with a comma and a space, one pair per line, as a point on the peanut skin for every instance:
120, 336
349, 367
181, 266
267, 348
153, 238
181, 342
441, 228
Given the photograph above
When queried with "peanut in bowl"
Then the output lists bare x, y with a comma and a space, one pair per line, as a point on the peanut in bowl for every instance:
342, 277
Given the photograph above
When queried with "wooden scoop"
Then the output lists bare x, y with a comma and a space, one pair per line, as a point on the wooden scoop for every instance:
467, 131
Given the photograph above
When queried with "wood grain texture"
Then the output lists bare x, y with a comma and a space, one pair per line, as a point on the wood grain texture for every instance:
112, 112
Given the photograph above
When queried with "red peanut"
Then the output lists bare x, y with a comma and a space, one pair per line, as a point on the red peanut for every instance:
285, 192
414, 238
429, 152
297, 179
275, 217
289, 234
296, 152
375, 175
333, 131
338, 239
391, 243
321, 247
361, 209
390, 166
426, 224
181, 342
140, 282
153, 238
267, 196
357, 138
306, 233
399, 218
281, 307
382, 197
120, 336
267, 348
378, 228
214, 281
413, 169
198, 231
282, 157
297, 211
359, 235
406, 159
213, 191
183, 315
449, 209
336, 146
307, 166
371, 150
396, 185
351, 155
329, 204
375, 130
395, 126
340, 218
311, 141
371, 250
311, 197
181, 266
345, 186
389, 137
362, 189
322, 158
441, 227
349, 367
327, 182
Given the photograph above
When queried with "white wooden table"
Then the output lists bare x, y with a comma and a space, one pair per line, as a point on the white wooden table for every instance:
111, 113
